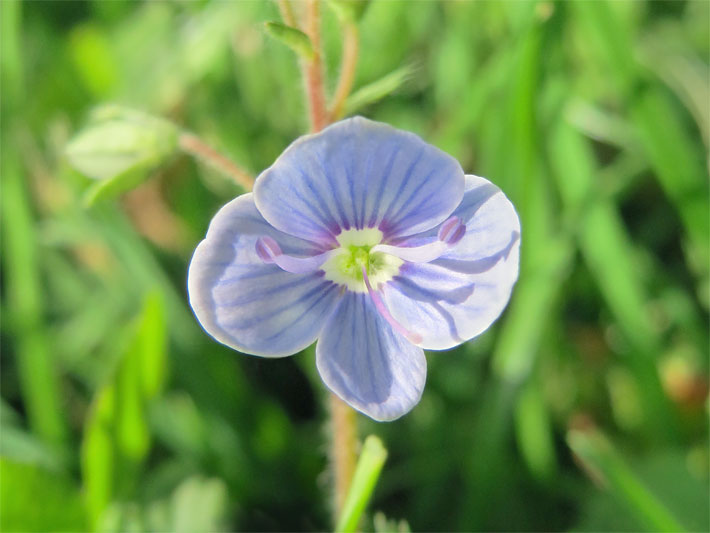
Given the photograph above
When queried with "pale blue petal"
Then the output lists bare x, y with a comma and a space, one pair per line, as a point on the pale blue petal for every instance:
359, 174
367, 364
458, 296
249, 305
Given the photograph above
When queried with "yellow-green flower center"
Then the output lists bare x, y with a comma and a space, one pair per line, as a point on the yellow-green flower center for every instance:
346, 265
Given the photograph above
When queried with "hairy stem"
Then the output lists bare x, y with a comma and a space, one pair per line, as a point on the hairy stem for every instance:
314, 69
193, 145
343, 422
343, 449
287, 13
347, 69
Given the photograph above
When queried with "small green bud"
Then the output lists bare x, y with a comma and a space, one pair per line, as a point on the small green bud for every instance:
119, 148
295, 39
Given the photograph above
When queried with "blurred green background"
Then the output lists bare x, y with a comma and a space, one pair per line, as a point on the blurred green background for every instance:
584, 408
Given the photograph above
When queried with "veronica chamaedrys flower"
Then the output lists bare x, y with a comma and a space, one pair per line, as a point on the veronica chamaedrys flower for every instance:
369, 240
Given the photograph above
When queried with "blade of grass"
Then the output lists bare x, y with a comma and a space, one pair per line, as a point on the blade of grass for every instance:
38, 375
667, 143
603, 462
607, 250
117, 438
533, 431
544, 261
367, 471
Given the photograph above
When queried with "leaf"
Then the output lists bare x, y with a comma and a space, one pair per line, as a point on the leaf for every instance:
534, 431
382, 524
377, 90
295, 39
24, 296
116, 436
197, 505
367, 471
349, 10
35, 499
603, 463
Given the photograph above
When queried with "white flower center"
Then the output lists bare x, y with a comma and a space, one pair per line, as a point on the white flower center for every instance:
345, 265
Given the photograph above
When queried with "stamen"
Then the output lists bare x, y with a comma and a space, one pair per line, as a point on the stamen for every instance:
269, 251
450, 233
413, 337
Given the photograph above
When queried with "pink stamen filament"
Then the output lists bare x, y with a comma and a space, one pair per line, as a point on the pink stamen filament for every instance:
450, 233
413, 337
269, 251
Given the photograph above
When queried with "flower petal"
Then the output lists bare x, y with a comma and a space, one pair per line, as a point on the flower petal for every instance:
359, 174
248, 304
369, 365
459, 295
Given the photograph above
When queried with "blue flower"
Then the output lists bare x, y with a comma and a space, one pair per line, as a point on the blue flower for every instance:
372, 242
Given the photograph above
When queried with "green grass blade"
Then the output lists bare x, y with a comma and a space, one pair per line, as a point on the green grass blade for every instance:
603, 463
117, 437
667, 143
38, 374
533, 430
368, 469
608, 252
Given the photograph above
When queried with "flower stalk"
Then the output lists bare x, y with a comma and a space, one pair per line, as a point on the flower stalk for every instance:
313, 70
287, 13
343, 456
343, 426
193, 145
351, 43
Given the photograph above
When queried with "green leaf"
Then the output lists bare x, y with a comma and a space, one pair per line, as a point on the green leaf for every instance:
349, 10
608, 252
151, 345
24, 295
197, 505
604, 465
377, 90
368, 469
35, 499
120, 147
382, 524
533, 431
117, 438
295, 39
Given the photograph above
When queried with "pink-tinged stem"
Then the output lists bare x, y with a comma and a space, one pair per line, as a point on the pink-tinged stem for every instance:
343, 455
343, 428
194, 146
287, 13
314, 70
347, 69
